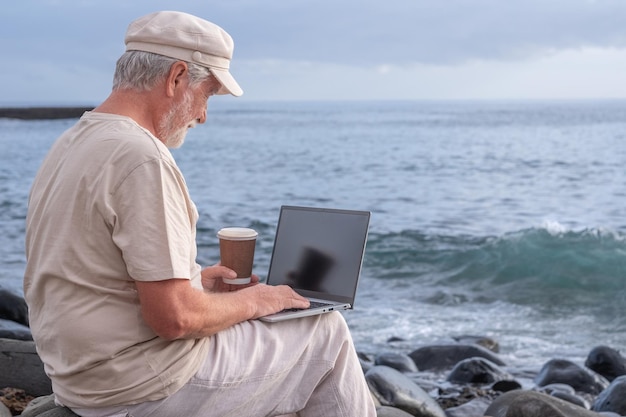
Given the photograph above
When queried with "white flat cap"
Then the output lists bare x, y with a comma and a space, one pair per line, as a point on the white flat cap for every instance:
188, 38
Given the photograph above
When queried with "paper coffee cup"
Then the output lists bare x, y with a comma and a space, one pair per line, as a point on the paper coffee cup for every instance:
237, 246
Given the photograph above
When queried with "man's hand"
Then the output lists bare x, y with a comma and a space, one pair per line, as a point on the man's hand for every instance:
272, 299
212, 279
269, 299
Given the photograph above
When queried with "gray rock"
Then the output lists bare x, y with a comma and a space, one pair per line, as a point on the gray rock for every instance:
4, 411
12, 330
564, 392
22, 368
386, 411
572, 398
534, 404
392, 388
613, 398
399, 361
39, 405
550, 388
506, 386
477, 371
13, 307
441, 357
45, 407
606, 361
566, 372
475, 407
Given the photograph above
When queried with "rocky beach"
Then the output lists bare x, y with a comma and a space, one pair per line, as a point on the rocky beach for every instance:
464, 378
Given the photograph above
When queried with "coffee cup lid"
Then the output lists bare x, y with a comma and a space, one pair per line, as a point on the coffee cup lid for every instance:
237, 233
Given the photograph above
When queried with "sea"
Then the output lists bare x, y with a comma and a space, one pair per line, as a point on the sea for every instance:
499, 219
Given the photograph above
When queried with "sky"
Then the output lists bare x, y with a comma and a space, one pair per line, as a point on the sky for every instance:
64, 51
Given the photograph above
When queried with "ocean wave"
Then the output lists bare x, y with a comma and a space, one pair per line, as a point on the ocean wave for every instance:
547, 266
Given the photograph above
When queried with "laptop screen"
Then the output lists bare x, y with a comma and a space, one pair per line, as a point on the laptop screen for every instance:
319, 252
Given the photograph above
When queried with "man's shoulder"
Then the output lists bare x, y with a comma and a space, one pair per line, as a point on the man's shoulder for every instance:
121, 132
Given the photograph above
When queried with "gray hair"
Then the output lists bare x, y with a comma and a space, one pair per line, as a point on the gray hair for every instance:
139, 70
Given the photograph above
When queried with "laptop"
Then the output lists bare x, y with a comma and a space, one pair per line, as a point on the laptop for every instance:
319, 253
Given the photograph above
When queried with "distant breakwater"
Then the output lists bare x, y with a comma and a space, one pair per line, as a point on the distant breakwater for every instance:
42, 113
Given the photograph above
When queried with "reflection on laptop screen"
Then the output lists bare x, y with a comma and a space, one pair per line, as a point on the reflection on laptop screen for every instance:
319, 250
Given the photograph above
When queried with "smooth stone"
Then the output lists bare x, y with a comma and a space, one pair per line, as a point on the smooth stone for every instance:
572, 398
45, 407
477, 371
567, 372
550, 388
506, 386
399, 361
386, 411
39, 405
365, 361
13, 307
441, 357
475, 407
426, 382
613, 398
4, 411
393, 339
13, 330
534, 404
564, 392
606, 361
393, 388
22, 368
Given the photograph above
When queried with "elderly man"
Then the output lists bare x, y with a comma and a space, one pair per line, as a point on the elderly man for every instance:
124, 319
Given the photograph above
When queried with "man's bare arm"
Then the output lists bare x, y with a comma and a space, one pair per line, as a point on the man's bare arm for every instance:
176, 310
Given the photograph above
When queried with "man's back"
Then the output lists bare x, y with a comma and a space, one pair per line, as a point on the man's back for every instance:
100, 189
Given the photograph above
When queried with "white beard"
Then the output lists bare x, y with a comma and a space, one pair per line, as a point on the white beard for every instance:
171, 136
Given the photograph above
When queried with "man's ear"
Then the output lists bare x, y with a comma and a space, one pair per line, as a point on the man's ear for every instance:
175, 77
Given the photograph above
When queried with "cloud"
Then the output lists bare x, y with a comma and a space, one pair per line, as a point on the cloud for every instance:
420, 31
585, 73
347, 32
347, 48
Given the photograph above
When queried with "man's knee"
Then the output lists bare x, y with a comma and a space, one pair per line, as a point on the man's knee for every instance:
335, 324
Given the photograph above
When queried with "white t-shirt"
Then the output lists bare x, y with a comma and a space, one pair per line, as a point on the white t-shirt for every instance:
109, 206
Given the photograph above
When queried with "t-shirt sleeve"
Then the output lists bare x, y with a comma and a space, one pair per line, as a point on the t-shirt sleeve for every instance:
153, 222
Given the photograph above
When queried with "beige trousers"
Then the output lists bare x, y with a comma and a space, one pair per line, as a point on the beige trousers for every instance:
306, 366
